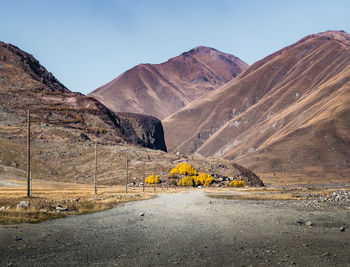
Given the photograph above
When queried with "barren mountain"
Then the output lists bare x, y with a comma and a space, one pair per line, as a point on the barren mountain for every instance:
25, 84
64, 126
161, 89
287, 114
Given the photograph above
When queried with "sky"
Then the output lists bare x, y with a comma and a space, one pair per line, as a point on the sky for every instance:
87, 43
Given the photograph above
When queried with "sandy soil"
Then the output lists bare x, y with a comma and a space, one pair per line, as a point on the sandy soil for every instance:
187, 229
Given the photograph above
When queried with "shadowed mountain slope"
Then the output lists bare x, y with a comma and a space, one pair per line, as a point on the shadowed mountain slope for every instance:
25, 84
161, 89
288, 113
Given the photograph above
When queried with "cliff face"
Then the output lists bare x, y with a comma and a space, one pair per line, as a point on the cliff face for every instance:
160, 90
25, 84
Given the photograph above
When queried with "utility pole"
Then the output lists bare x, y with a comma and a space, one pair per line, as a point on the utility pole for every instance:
155, 174
95, 179
127, 170
29, 193
144, 176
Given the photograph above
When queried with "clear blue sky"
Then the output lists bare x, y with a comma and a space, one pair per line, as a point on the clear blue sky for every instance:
86, 43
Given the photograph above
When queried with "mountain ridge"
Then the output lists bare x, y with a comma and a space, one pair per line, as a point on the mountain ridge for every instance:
242, 118
161, 89
26, 84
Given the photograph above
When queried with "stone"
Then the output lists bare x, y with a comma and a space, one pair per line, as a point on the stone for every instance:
341, 228
60, 208
23, 204
308, 223
3, 208
325, 254
142, 214
43, 210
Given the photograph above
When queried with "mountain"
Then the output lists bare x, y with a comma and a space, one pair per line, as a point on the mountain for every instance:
287, 115
25, 84
160, 90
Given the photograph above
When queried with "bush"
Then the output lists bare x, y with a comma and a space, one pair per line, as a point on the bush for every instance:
186, 181
153, 179
184, 169
236, 183
203, 179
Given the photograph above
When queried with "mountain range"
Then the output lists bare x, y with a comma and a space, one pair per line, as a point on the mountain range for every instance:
286, 117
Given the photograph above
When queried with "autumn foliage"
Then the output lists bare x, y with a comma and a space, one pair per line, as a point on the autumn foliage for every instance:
236, 183
184, 169
152, 179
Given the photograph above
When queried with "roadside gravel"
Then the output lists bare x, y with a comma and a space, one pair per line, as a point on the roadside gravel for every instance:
186, 229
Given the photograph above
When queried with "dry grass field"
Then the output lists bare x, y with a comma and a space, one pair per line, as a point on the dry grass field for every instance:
80, 198
77, 198
273, 193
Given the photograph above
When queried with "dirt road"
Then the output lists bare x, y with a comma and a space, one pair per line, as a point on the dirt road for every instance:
187, 229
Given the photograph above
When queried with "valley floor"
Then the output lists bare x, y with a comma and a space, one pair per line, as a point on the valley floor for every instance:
186, 229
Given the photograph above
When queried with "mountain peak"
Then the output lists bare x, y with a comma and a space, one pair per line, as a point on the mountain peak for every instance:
338, 35
161, 89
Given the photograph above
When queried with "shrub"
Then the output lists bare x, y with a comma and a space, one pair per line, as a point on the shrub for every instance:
203, 179
236, 183
184, 169
186, 181
152, 179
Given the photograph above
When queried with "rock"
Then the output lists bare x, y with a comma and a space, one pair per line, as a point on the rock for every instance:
60, 208
23, 204
341, 228
84, 136
308, 223
18, 238
3, 208
43, 210
325, 254
142, 214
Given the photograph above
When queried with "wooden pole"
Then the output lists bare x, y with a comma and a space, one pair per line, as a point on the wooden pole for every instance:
127, 170
144, 176
95, 176
155, 174
29, 193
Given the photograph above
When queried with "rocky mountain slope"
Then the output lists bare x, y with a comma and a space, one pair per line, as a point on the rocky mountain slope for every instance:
161, 89
287, 115
64, 126
25, 84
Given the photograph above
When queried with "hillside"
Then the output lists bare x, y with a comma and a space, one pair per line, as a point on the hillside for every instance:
287, 115
65, 125
25, 84
160, 90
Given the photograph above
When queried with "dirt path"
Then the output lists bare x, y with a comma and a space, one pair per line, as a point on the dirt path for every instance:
188, 229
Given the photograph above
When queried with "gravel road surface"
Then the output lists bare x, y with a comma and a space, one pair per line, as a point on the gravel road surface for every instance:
186, 229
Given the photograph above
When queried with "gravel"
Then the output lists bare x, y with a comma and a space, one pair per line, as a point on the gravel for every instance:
187, 229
